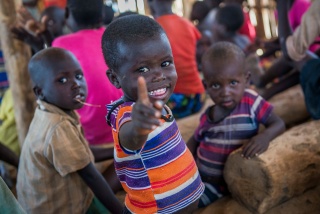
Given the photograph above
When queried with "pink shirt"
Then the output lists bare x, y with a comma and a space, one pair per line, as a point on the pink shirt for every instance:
86, 46
298, 8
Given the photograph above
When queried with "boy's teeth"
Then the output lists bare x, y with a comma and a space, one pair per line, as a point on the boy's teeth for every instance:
78, 96
158, 92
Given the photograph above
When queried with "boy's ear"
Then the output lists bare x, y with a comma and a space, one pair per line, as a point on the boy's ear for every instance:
113, 78
38, 92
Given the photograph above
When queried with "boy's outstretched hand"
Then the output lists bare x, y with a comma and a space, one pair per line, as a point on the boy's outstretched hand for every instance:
145, 118
260, 143
145, 115
256, 146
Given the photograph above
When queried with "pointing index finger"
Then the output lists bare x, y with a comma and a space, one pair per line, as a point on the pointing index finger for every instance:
143, 91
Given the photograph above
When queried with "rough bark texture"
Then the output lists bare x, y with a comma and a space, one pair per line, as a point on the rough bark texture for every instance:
225, 205
290, 106
307, 203
17, 56
290, 167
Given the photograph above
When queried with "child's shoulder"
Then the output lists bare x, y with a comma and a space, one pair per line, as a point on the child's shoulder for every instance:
49, 119
205, 115
252, 98
114, 108
250, 92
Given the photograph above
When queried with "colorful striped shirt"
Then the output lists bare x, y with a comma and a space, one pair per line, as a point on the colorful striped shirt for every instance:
218, 140
161, 177
4, 82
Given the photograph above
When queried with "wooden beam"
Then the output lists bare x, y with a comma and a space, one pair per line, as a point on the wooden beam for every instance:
16, 56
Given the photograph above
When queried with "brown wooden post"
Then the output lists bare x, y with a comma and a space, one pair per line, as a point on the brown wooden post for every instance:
260, 26
187, 7
17, 55
146, 8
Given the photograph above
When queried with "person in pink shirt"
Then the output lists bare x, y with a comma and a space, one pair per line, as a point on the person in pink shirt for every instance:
298, 8
84, 18
281, 68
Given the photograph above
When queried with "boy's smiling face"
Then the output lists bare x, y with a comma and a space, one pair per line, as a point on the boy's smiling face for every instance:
152, 59
63, 84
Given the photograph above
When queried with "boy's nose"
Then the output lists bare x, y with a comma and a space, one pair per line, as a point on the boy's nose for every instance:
225, 91
158, 75
76, 84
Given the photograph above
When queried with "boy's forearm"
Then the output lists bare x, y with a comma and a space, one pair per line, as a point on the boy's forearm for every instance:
129, 139
8, 156
100, 188
274, 127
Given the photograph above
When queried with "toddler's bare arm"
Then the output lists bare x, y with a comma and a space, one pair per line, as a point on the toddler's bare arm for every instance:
100, 188
8, 156
260, 143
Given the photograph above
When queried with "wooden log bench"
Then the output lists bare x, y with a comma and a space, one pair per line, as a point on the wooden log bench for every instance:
289, 168
290, 106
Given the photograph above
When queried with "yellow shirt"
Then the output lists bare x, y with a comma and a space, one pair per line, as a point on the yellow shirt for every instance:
8, 129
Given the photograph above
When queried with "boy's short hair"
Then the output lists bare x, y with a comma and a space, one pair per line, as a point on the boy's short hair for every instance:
199, 10
57, 14
40, 62
231, 16
222, 52
129, 29
86, 12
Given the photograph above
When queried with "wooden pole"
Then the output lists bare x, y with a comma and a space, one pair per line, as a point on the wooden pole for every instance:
16, 56
187, 7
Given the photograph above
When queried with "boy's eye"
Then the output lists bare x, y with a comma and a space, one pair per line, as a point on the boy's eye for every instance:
166, 64
63, 80
234, 82
143, 70
215, 86
79, 76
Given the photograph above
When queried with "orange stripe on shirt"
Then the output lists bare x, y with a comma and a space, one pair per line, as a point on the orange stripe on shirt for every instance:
134, 201
121, 112
174, 178
171, 169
